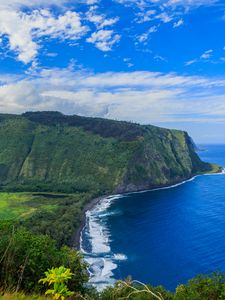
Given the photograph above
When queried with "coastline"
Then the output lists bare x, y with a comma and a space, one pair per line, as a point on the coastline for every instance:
87, 207
90, 205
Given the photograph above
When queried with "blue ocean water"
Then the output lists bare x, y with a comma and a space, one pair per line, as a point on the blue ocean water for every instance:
162, 237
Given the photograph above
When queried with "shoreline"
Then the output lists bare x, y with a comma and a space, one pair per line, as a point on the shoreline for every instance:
76, 238
90, 205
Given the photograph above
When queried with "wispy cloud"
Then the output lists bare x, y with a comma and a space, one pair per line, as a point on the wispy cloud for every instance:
190, 62
25, 24
104, 39
178, 23
23, 30
145, 97
207, 54
204, 57
146, 35
100, 20
165, 10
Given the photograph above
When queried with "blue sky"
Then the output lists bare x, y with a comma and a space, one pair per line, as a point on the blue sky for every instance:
148, 61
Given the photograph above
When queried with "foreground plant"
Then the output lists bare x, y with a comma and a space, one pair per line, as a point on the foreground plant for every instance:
137, 287
58, 277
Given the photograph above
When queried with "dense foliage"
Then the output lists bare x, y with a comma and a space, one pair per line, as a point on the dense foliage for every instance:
24, 257
55, 214
48, 151
106, 128
61, 222
51, 166
85, 158
204, 287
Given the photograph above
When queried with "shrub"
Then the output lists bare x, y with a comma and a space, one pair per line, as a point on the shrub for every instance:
24, 257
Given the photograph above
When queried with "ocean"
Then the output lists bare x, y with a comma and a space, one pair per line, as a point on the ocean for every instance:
162, 237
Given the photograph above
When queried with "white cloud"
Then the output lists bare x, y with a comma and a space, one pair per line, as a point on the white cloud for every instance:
190, 62
128, 62
146, 16
100, 20
178, 23
145, 36
15, 27
24, 29
191, 3
91, 2
16, 4
164, 17
104, 39
204, 57
145, 97
207, 54
160, 58
164, 11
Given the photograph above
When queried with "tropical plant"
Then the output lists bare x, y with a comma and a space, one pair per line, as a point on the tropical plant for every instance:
24, 257
58, 277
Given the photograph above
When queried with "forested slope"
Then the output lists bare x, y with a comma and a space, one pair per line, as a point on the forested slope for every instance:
48, 151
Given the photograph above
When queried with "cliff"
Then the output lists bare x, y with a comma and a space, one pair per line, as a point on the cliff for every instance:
48, 151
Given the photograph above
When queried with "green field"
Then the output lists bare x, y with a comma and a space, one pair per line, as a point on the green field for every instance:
23, 205
55, 214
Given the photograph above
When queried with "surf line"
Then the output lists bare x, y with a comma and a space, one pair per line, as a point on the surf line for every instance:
95, 238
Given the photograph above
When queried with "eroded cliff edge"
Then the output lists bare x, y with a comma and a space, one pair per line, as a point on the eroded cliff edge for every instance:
49, 151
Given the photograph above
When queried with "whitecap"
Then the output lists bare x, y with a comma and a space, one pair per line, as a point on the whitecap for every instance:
95, 245
213, 174
120, 256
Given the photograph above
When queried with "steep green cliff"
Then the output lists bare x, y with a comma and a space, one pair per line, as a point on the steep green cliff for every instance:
48, 151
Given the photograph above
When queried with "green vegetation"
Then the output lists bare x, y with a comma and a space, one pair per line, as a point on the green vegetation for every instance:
204, 287
50, 152
22, 205
24, 257
40, 212
21, 296
215, 169
51, 166
58, 277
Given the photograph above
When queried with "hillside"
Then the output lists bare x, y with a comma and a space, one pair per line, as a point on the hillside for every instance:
48, 151
52, 166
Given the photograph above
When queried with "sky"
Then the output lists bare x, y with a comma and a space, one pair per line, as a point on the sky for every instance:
158, 62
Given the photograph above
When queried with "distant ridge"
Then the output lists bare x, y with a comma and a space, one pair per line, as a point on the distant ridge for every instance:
49, 151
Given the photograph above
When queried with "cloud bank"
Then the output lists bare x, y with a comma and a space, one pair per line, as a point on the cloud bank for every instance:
144, 97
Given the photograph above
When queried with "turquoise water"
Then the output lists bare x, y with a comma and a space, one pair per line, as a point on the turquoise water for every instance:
162, 237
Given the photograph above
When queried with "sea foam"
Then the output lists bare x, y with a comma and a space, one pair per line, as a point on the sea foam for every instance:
95, 239
95, 245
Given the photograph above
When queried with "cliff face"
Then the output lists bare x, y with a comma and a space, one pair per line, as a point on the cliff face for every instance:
48, 151
163, 157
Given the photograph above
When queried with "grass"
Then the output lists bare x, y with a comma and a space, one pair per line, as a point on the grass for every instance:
55, 214
16, 206
21, 296
82, 158
215, 169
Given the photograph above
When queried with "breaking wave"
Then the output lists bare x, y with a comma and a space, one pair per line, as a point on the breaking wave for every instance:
95, 245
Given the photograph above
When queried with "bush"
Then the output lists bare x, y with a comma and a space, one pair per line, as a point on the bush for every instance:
203, 287
24, 257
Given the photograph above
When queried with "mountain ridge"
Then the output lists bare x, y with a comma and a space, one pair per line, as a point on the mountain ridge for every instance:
49, 151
